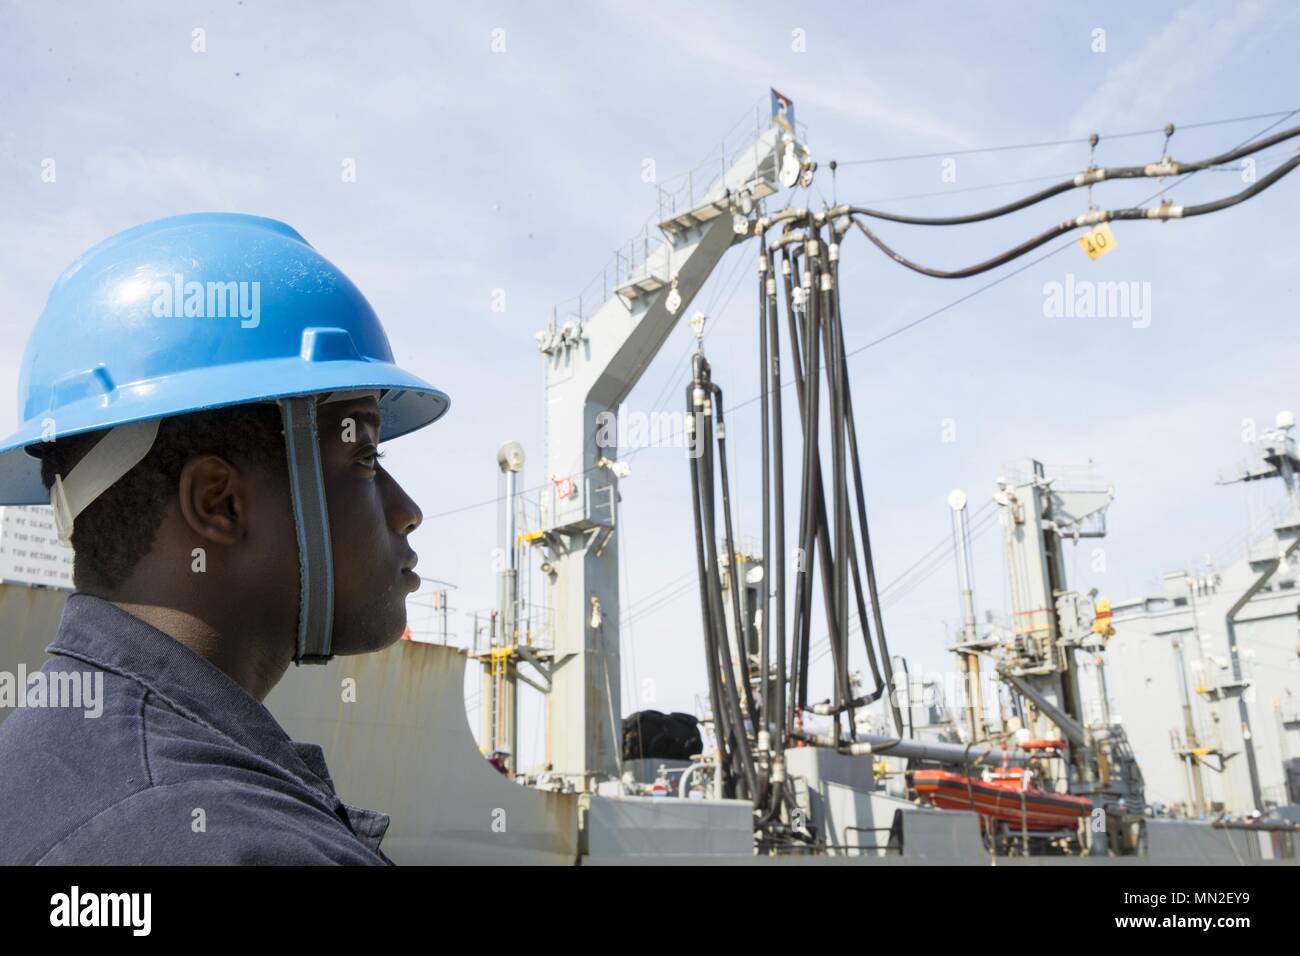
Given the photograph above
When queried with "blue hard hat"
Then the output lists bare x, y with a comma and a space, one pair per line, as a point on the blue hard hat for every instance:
194, 312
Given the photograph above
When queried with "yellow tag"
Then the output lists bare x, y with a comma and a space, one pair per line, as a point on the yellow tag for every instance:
1098, 242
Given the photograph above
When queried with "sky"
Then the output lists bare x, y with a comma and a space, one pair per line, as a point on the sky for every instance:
499, 152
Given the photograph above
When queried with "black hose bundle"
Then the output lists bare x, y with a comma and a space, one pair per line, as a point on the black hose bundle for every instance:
758, 711
754, 716
737, 766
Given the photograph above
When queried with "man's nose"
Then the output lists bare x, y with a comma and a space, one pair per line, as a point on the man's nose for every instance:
404, 515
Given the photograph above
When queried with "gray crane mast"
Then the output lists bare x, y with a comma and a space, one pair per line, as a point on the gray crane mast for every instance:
591, 365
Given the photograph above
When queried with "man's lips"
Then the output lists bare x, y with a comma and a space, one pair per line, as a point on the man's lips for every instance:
408, 572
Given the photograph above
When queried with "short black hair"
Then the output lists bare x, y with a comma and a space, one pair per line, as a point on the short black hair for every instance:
118, 528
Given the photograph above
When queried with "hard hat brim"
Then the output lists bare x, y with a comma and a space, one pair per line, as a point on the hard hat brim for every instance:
407, 404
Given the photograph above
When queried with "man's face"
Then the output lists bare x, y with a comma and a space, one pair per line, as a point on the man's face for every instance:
370, 519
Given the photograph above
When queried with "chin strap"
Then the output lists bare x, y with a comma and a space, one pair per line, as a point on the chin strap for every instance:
311, 519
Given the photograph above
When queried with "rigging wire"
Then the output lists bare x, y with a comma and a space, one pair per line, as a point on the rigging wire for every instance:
822, 647
676, 377
1060, 142
675, 588
964, 298
1163, 212
1091, 176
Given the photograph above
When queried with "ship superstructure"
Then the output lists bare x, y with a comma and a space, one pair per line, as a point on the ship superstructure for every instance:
1017, 766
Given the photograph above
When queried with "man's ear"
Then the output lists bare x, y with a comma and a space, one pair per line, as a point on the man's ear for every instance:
212, 499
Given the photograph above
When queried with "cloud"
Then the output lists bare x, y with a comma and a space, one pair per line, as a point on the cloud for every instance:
1190, 49
854, 96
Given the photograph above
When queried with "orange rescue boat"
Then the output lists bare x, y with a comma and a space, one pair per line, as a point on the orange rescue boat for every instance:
1006, 798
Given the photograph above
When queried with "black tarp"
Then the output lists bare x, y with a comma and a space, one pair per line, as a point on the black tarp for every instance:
652, 734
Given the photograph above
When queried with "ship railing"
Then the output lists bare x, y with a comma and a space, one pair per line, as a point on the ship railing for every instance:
533, 630
429, 613
592, 505
680, 193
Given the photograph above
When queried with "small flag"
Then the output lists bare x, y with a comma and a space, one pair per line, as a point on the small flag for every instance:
783, 112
